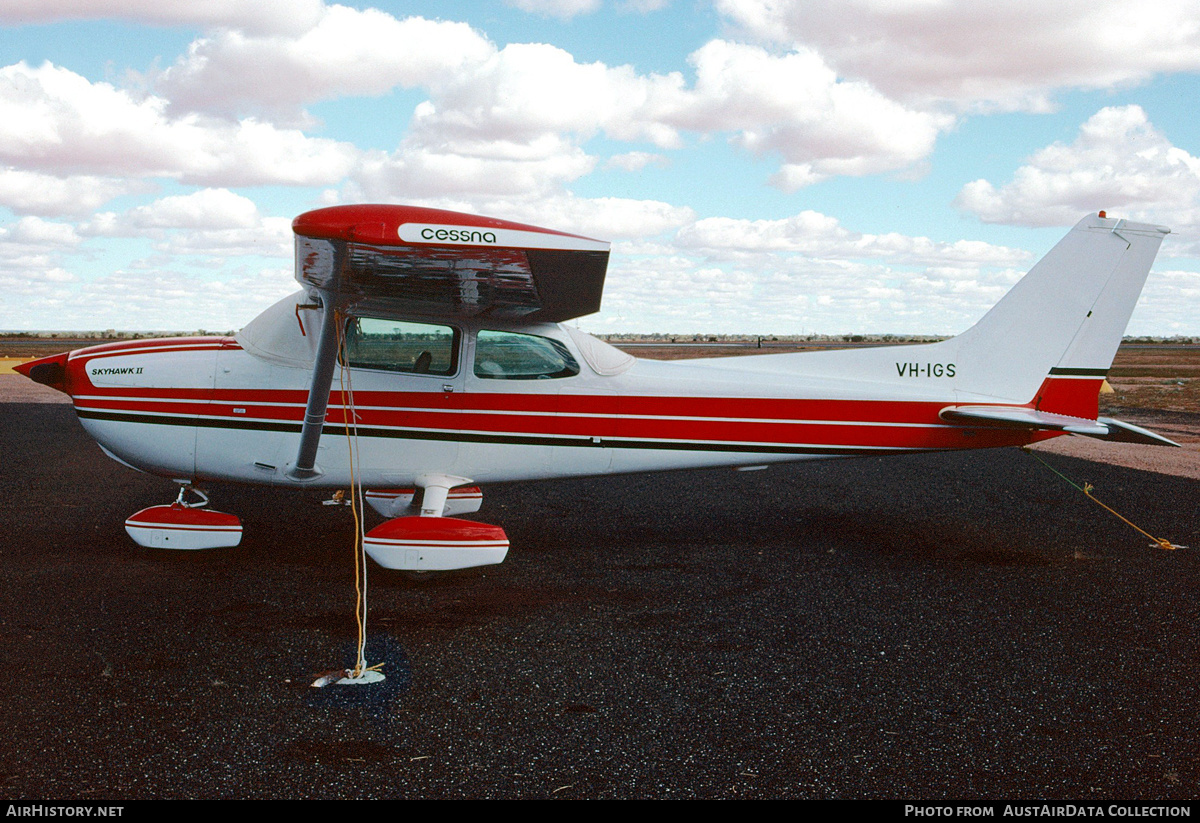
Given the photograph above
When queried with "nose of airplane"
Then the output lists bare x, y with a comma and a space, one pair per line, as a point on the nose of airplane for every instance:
49, 371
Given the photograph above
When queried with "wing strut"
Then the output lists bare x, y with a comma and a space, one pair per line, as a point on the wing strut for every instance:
305, 467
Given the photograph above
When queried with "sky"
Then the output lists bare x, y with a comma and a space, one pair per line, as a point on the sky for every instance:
760, 166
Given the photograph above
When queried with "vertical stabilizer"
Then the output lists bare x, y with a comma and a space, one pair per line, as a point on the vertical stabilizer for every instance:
1053, 336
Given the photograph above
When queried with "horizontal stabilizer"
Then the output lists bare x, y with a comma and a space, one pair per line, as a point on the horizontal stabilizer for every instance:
1020, 417
1122, 432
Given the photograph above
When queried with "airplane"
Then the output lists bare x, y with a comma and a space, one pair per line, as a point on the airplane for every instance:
425, 354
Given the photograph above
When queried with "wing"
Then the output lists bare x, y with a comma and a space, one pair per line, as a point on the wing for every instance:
404, 259
415, 261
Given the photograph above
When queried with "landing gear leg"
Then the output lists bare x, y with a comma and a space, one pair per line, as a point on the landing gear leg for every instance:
181, 498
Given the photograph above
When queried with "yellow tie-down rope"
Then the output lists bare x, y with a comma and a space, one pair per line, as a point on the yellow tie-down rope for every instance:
350, 422
1086, 488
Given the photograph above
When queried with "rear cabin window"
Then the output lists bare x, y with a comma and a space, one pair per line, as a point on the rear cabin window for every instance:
401, 346
501, 355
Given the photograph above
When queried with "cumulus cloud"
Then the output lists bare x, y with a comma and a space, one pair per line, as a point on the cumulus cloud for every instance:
347, 52
261, 16
30, 234
531, 169
527, 89
483, 99
486, 106
1118, 162
42, 290
521, 90
209, 222
47, 195
539, 97
1011, 55
515, 125
795, 105
270, 237
207, 209
55, 121
813, 234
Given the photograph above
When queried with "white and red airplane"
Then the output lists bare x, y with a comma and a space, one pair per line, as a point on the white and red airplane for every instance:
424, 354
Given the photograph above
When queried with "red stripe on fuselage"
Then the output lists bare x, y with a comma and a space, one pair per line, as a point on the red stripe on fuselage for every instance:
582, 406
153, 345
869, 424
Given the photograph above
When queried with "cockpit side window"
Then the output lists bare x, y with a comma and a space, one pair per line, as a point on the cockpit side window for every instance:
501, 355
401, 346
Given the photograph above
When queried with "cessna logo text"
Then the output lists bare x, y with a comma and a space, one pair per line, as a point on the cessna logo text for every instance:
925, 369
99, 372
458, 235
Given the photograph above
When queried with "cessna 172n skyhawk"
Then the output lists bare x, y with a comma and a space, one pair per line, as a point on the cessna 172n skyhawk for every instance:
432, 340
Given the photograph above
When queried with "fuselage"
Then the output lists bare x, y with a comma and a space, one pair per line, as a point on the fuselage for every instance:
473, 403
443, 360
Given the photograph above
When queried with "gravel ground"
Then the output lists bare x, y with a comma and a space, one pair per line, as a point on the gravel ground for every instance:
933, 627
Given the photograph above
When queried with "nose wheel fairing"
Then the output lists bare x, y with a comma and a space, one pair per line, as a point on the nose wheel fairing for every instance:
424, 539
183, 525
435, 544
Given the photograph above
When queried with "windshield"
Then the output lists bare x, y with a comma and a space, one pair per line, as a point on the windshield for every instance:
501, 355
